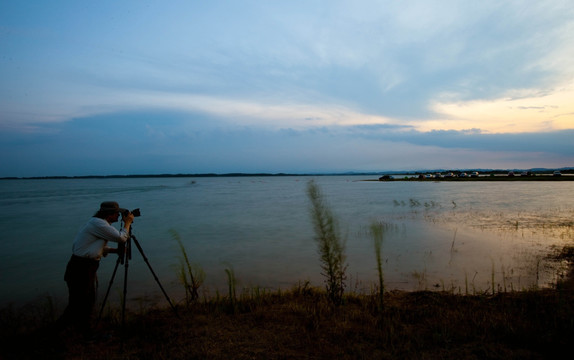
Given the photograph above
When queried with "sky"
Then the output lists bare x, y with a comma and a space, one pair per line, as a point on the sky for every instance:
171, 87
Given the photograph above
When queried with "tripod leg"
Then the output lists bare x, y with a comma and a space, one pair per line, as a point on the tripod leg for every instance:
125, 286
108, 291
154, 275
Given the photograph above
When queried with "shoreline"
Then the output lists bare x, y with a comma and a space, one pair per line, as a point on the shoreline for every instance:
302, 323
566, 173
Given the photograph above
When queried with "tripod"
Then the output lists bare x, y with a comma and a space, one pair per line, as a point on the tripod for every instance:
124, 257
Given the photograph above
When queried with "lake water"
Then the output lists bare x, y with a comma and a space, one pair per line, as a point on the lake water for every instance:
451, 235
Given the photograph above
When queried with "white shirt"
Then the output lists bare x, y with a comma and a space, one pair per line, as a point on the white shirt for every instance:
94, 236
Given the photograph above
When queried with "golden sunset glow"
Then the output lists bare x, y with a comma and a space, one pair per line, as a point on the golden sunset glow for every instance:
523, 113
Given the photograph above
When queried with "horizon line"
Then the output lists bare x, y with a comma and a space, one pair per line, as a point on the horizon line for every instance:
241, 174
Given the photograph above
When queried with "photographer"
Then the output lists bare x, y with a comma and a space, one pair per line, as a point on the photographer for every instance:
88, 248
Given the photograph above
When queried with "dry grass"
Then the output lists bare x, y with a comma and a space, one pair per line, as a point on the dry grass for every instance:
303, 324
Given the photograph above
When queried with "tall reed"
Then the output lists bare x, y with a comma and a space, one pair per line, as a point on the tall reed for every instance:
232, 282
452, 249
190, 275
378, 230
331, 245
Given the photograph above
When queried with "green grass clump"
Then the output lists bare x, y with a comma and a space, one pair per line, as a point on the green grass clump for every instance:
232, 284
190, 275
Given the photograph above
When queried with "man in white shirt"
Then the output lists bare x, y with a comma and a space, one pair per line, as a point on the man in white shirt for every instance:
88, 248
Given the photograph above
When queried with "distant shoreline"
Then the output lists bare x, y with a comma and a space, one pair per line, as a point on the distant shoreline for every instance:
493, 175
149, 176
176, 176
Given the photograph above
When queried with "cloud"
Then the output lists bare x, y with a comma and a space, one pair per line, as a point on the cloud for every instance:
387, 59
163, 142
220, 85
553, 142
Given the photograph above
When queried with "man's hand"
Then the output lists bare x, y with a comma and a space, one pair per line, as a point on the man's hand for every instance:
128, 219
119, 250
107, 251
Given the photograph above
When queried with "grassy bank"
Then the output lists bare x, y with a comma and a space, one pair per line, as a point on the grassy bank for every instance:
303, 323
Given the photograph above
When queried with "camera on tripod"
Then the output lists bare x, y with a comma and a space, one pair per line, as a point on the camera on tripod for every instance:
136, 212
124, 251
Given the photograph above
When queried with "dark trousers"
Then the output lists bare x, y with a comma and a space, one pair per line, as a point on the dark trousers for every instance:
81, 279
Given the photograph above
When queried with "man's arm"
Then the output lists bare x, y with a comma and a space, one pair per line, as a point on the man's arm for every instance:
106, 231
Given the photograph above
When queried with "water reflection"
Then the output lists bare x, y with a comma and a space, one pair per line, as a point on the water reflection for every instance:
453, 236
471, 250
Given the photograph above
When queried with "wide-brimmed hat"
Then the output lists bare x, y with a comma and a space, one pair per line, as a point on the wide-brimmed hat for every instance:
111, 207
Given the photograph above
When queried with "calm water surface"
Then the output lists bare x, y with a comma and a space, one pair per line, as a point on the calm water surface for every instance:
440, 234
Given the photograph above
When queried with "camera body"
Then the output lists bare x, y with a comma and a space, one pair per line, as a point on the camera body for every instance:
136, 212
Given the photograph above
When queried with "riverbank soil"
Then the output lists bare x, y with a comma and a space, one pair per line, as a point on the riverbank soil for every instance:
303, 325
